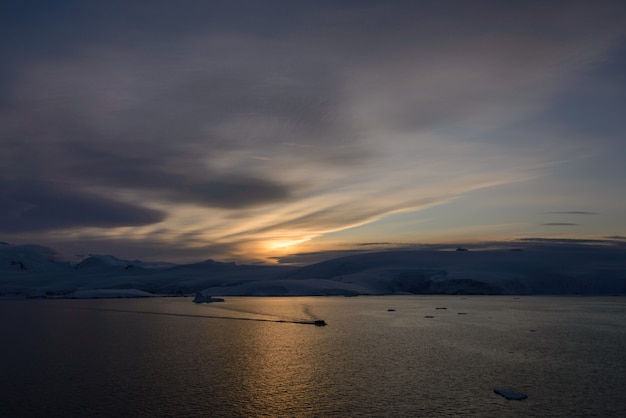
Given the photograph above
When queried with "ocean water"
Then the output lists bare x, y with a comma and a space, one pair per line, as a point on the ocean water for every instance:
389, 356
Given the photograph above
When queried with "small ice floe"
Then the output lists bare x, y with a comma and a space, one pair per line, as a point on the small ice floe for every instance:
510, 395
202, 298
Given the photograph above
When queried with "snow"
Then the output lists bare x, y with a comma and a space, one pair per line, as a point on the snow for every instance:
36, 271
109, 293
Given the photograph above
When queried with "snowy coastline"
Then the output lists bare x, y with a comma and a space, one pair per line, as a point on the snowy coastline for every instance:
35, 271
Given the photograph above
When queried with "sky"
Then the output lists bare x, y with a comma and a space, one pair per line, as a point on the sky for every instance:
257, 130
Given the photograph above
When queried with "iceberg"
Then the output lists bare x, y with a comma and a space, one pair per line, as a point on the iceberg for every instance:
510, 395
202, 298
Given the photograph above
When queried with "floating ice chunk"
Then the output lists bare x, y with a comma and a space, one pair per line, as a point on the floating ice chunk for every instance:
202, 298
518, 396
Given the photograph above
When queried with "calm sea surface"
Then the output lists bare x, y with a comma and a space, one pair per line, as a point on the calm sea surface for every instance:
251, 357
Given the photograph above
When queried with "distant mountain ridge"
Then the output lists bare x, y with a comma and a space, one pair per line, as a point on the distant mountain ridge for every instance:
38, 271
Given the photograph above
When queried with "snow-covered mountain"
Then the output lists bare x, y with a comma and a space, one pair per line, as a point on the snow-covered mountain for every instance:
36, 271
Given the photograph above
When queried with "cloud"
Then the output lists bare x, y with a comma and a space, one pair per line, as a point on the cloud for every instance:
41, 207
227, 126
366, 244
572, 212
559, 241
549, 244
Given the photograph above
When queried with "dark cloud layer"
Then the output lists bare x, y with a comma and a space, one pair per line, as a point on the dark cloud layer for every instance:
167, 175
157, 120
43, 207
75, 174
